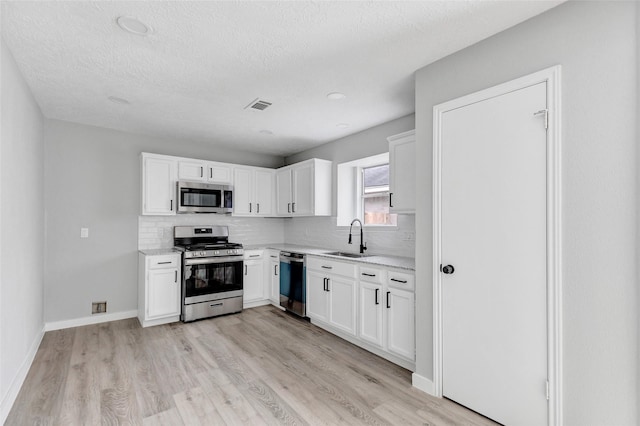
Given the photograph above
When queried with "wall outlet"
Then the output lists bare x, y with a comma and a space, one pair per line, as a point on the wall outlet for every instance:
98, 308
84, 232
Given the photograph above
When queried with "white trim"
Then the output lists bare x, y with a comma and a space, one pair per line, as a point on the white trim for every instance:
256, 303
94, 319
18, 380
554, 232
423, 384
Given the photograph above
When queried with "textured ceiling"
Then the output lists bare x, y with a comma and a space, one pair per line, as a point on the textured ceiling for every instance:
193, 76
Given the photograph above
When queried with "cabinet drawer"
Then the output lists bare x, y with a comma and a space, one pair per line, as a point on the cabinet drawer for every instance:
371, 275
401, 280
161, 262
331, 267
253, 254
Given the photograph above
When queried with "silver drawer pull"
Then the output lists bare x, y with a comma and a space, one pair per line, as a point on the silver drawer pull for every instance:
254, 255
327, 267
399, 281
164, 263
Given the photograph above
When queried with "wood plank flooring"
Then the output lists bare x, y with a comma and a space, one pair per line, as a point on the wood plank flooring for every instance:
262, 366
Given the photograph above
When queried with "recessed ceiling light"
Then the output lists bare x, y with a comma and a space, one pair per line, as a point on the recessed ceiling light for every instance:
334, 96
134, 25
266, 132
117, 100
342, 125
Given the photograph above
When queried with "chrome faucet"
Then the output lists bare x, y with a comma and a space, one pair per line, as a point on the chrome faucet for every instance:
363, 245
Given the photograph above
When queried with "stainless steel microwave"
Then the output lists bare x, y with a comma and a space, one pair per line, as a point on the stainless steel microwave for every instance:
196, 197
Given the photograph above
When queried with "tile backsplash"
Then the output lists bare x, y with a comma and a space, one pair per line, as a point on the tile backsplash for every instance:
156, 232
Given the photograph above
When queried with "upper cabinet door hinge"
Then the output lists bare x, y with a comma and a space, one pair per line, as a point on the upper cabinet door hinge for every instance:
546, 116
547, 390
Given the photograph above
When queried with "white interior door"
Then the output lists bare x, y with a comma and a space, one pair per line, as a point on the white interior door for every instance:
493, 228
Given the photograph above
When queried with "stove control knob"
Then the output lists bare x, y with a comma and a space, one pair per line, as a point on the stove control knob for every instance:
202, 253
217, 252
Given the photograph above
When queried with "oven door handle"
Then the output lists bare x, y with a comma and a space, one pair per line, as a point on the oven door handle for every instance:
209, 260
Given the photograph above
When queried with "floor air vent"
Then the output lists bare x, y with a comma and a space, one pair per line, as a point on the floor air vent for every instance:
258, 104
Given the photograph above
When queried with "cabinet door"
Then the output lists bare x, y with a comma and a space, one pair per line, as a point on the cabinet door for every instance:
253, 284
263, 194
402, 175
163, 293
192, 170
243, 192
400, 323
342, 303
219, 173
283, 192
303, 190
274, 283
158, 186
371, 313
317, 297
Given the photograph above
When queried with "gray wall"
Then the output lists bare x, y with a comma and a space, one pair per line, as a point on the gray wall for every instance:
22, 228
92, 179
595, 42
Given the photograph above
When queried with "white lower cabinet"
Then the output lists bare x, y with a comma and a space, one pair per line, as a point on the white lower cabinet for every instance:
159, 288
273, 276
371, 314
400, 322
253, 280
370, 306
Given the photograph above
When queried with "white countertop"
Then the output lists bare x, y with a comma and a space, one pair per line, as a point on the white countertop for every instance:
407, 263
159, 252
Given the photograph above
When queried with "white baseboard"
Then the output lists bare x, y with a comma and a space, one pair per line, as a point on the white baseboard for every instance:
422, 383
93, 319
18, 380
255, 304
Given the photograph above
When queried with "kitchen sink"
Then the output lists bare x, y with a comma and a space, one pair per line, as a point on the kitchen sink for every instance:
345, 254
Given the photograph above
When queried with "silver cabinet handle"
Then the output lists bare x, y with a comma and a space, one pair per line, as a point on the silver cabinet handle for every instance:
275, 269
249, 207
164, 263
245, 269
175, 280
288, 207
327, 267
368, 275
293, 207
201, 171
390, 204
254, 255
388, 306
258, 204
399, 281
171, 206
210, 173
377, 290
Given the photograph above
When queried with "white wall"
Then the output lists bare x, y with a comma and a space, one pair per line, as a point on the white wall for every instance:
22, 229
322, 231
596, 44
92, 179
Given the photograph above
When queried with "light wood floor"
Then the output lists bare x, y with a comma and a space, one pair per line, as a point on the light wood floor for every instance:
262, 366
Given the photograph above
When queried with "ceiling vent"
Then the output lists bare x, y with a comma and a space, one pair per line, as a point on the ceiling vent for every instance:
258, 104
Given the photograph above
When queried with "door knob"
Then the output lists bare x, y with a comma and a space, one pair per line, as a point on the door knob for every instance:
447, 269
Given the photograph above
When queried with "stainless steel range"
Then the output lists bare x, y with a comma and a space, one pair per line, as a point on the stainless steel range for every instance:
212, 271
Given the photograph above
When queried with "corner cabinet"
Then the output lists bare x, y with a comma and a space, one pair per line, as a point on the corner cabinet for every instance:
402, 172
304, 189
159, 281
159, 177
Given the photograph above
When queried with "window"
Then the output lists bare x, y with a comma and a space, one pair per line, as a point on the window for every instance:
363, 192
375, 196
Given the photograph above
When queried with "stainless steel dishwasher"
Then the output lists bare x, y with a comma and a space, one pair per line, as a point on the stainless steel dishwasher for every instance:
293, 283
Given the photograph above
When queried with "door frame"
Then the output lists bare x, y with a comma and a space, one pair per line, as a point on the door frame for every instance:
554, 232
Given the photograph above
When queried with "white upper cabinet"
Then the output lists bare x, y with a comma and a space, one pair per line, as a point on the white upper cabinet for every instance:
402, 172
159, 175
304, 189
205, 171
253, 191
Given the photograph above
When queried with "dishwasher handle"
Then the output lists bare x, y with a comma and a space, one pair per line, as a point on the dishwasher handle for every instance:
287, 257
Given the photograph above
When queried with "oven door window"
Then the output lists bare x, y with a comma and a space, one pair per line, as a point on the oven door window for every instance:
213, 278
195, 197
